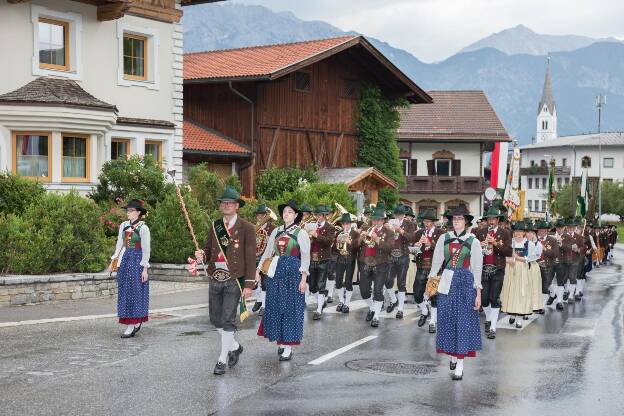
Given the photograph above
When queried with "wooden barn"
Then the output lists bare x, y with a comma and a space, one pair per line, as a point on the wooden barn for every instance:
249, 109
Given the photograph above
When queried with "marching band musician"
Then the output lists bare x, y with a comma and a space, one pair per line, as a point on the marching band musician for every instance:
573, 248
264, 228
548, 249
426, 240
375, 246
322, 237
347, 246
404, 232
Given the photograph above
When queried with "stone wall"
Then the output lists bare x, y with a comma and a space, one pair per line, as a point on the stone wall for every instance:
24, 290
174, 273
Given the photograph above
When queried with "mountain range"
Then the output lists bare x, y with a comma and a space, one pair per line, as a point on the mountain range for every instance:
509, 65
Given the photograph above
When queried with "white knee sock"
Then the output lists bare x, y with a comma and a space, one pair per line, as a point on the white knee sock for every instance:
423, 308
340, 294
545, 299
129, 329
401, 297
559, 293
393, 297
494, 315
377, 308
434, 316
459, 370
453, 359
329, 286
580, 285
320, 301
287, 350
348, 295
227, 337
551, 290
369, 302
488, 312
566, 286
263, 297
572, 289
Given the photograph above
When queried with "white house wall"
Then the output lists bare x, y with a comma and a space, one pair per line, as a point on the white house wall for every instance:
468, 153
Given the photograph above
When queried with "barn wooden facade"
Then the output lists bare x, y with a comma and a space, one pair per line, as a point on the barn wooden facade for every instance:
285, 105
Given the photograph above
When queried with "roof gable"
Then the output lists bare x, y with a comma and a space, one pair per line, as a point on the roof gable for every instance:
208, 141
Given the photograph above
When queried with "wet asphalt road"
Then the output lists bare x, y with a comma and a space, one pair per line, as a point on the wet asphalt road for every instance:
563, 363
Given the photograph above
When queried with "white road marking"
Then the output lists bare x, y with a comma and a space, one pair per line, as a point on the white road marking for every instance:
339, 351
92, 317
580, 327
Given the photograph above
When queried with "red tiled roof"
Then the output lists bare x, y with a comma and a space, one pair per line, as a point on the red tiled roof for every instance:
256, 61
461, 115
210, 141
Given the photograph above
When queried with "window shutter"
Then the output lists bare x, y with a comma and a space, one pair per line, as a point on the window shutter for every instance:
456, 168
413, 164
431, 167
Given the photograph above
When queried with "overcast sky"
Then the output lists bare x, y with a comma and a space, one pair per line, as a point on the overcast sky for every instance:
433, 30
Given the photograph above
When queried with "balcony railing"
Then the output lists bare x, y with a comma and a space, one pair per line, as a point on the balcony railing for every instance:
444, 185
543, 170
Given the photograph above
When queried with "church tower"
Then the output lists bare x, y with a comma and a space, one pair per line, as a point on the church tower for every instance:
547, 111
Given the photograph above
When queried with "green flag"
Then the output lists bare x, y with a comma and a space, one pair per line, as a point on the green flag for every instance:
581, 199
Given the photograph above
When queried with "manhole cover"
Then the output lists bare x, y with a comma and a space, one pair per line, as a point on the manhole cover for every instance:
393, 367
190, 333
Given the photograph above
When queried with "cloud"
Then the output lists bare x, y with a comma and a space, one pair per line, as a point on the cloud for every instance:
434, 29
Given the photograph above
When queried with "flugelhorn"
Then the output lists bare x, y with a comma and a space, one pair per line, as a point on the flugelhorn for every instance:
262, 236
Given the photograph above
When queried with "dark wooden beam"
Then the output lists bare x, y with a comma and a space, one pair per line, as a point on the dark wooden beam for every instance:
337, 152
267, 165
112, 11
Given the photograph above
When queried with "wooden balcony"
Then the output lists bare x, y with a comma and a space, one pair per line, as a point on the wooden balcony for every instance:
544, 171
444, 185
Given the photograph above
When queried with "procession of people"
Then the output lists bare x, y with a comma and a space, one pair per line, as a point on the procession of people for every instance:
462, 268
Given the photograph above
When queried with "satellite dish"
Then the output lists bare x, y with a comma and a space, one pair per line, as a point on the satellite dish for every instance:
490, 194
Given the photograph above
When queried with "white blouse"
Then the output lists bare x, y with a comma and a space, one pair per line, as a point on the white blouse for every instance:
303, 239
120, 248
533, 252
476, 257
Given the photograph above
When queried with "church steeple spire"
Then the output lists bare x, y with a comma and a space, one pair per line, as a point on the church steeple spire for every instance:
547, 111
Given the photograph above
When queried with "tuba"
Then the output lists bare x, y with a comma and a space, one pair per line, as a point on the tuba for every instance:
262, 236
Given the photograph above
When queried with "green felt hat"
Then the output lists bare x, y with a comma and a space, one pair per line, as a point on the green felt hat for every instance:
305, 208
428, 214
541, 225
379, 214
346, 218
492, 212
400, 209
261, 209
231, 194
321, 209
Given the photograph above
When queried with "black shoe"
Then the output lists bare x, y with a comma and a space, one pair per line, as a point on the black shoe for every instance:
339, 307
432, 328
131, 334
329, 300
491, 334
283, 358
560, 306
566, 295
399, 315
233, 356
375, 323
316, 316
453, 366
519, 325
137, 328
345, 309
551, 299
256, 307
488, 325
370, 315
511, 320
525, 317
219, 369
578, 296
455, 377
390, 308
280, 350
422, 320
541, 311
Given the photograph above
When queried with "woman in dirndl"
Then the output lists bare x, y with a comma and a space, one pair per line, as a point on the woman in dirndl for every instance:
516, 297
535, 274
288, 249
459, 259
132, 254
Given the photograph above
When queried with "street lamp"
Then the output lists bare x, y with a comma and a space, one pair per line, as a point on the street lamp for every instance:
601, 101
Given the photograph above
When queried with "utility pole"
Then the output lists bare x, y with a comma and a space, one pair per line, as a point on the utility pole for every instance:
601, 101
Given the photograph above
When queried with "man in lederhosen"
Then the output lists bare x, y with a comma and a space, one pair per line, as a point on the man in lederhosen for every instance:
322, 237
560, 272
496, 244
347, 245
547, 261
404, 232
375, 246
585, 262
572, 248
331, 268
231, 255
426, 240
264, 228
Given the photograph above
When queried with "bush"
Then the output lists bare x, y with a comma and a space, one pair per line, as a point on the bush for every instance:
207, 186
320, 193
273, 183
60, 233
136, 177
111, 216
17, 193
171, 240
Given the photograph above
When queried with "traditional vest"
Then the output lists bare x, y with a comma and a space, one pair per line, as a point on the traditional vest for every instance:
286, 244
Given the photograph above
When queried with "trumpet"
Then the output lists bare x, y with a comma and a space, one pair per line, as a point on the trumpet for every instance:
342, 243
367, 237
261, 234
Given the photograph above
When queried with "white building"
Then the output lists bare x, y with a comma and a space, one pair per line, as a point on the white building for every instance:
570, 153
442, 147
85, 82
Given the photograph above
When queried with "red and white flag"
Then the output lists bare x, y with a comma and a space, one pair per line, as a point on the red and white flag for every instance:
499, 165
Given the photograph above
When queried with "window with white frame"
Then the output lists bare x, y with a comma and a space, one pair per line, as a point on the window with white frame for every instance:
608, 162
138, 56
530, 203
56, 43
543, 205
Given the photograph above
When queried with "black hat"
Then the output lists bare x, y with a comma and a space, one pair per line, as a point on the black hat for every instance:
292, 204
136, 204
458, 212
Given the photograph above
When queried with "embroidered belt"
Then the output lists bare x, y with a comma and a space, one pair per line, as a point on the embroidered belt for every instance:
221, 275
315, 257
396, 253
370, 261
489, 270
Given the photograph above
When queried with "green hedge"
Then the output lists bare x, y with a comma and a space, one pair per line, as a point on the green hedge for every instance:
60, 233
273, 183
17, 193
